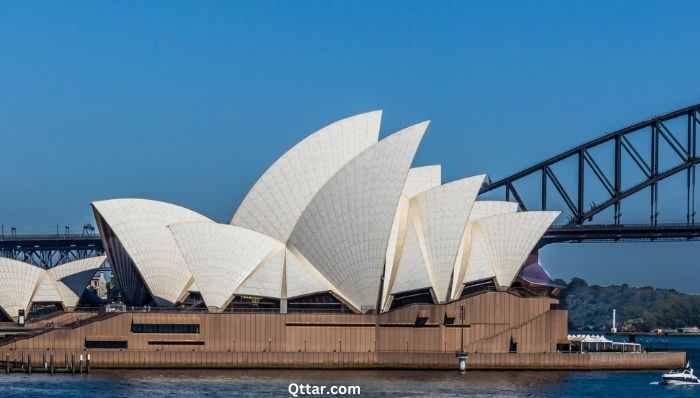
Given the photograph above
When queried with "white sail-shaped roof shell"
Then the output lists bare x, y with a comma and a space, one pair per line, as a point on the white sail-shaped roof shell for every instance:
221, 257
302, 278
193, 286
412, 270
419, 179
18, 282
344, 232
141, 227
472, 245
277, 200
72, 278
23, 284
46, 290
397, 237
267, 278
441, 217
479, 266
509, 238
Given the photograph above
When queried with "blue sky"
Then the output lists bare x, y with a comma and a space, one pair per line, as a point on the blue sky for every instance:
189, 102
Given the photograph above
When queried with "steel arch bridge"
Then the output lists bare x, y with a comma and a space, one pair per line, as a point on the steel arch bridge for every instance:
639, 149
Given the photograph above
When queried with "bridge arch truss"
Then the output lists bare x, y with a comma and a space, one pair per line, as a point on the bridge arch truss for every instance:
588, 170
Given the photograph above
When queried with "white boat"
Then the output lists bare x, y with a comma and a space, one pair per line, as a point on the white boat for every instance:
680, 376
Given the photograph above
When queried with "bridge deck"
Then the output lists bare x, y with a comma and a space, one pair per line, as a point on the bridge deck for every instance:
621, 232
48, 250
48, 241
555, 234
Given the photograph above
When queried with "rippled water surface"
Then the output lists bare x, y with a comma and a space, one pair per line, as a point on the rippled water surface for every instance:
275, 383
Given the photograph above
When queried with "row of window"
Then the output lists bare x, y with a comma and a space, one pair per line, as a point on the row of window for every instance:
107, 344
164, 328
122, 344
175, 342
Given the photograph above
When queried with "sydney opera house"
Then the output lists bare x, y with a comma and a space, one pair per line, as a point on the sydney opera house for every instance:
342, 253
340, 221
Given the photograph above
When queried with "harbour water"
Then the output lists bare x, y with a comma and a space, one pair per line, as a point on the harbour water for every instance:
276, 383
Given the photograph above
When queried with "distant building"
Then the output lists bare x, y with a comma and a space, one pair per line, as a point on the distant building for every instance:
98, 284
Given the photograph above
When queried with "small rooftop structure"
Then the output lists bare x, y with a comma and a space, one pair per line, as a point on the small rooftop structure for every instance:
536, 275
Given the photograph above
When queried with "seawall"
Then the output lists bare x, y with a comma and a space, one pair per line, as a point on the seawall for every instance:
116, 359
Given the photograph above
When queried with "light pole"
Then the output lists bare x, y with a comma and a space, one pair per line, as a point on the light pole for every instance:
461, 330
461, 357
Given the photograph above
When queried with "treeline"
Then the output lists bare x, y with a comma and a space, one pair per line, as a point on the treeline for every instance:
638, 308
